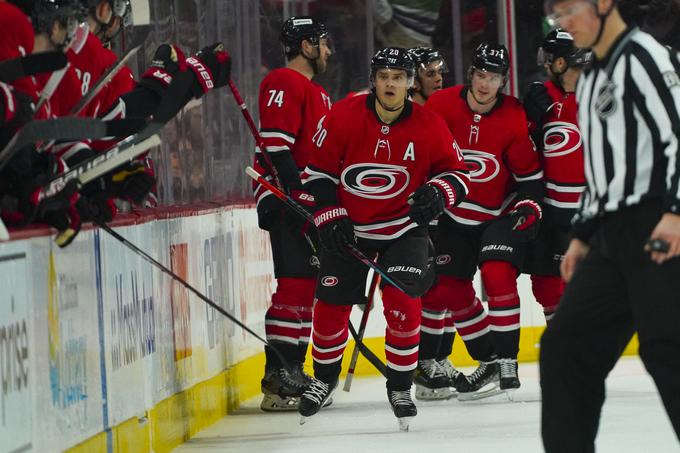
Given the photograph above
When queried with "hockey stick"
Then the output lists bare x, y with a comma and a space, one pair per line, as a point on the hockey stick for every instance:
367, 353
362, 328
188, 286
353, 250
67, 129
32, 64
259, 143
99, 165
112, 72
50, 87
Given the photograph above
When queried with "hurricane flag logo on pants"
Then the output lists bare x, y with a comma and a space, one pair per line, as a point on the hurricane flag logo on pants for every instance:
376, 181
482, 166
560, 138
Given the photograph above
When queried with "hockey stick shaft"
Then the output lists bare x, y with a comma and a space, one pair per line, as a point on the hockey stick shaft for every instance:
353, 250
362, 328
50, 87
188, 286
32, 64
367, 353
256, 135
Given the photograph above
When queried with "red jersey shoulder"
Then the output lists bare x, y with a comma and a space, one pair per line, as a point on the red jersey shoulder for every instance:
285, 78
350, 105
17, 32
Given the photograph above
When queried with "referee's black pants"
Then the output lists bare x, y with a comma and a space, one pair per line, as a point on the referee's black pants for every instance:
615, 291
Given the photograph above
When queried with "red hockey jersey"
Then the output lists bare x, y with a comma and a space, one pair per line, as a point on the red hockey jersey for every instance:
91, 60
497, 149
378, 166
291, 109
562, 154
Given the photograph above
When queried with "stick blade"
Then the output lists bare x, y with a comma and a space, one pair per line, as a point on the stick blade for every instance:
250, 171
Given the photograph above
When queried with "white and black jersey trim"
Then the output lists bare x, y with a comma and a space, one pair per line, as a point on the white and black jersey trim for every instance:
314, 173
629, 113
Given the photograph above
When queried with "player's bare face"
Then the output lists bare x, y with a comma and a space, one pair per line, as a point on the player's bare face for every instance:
431, 78
579, 18
391, 87
324, 54
485, 85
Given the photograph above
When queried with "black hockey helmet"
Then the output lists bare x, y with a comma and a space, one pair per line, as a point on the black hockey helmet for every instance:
300, 28
560, 44
69, 13
491, 58
393, 58
423, 56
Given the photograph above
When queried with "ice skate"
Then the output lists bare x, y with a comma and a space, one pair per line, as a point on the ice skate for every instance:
431, 381
509, 380
282, 390
317, 395
452, 373
402, 406
483, 383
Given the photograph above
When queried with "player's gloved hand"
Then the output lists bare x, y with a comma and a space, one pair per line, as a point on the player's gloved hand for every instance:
167, 61
525, 219
212, 67
295, 221
537, 101
96, 209
132, 182
335, 229
429, 201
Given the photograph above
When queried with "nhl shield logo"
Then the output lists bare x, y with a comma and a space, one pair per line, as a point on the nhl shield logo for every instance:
385, 129
605, 104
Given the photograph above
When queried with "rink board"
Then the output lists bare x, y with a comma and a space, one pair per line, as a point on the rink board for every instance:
101, 352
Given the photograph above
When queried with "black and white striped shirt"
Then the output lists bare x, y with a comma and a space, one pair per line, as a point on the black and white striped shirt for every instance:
629, 115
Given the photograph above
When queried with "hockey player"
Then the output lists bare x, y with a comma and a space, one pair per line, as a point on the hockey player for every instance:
441, 375
291, 108
384, 169
505, 177
551, 110
430, 66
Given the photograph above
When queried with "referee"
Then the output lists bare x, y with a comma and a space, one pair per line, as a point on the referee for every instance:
629, 115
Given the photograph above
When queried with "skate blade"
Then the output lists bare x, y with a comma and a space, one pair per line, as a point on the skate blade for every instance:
510, 394
474, 396
404, 423
426, 394
303, 420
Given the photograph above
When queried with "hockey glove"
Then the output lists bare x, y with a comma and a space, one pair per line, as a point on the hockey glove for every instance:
537, 101
335, 229
16, 109
525, 219
167, 61
429, 201
95, 209
131, 182
295, 221
212, 67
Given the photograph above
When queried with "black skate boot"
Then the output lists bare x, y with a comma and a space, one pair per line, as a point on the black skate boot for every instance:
282, 390
315, 397
451, 372
402, 406
431, 381
509, 380
480, 384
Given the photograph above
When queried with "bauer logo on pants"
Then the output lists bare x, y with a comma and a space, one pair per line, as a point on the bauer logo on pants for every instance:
329, 280
410, 269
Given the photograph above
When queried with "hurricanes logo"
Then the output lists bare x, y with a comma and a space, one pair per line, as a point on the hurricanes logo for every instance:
443, 259
329, 280
561, 138
482, 166
375, 181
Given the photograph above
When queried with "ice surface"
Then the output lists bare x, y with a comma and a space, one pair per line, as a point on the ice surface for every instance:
361, 421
